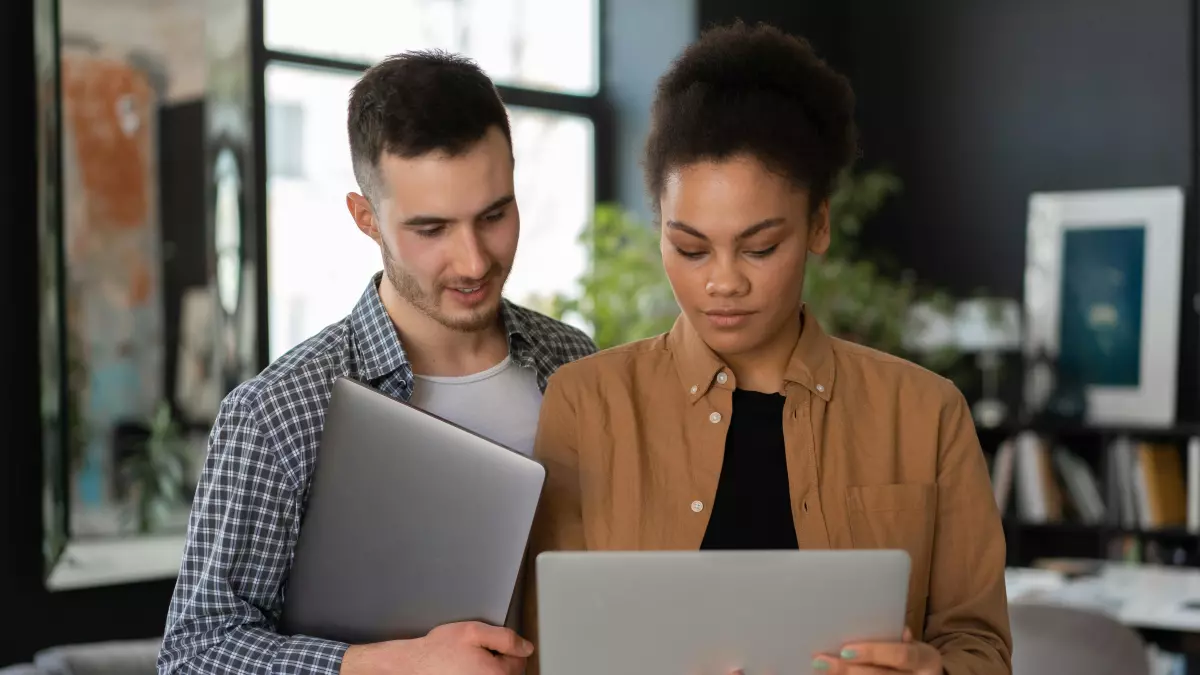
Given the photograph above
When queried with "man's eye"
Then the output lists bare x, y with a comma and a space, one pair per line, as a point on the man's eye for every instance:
430, 232
494, 216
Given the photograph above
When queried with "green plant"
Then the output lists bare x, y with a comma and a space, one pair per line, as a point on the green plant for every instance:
852, 296
155, 473
626, 296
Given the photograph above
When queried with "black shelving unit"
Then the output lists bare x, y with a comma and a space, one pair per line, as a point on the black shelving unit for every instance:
1028, 542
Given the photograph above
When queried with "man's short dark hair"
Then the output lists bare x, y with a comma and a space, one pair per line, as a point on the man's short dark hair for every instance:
753, 90
419, 102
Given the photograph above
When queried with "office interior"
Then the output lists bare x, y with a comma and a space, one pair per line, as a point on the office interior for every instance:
1022, 220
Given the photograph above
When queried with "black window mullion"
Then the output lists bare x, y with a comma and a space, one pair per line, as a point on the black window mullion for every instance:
586, 106
314, 61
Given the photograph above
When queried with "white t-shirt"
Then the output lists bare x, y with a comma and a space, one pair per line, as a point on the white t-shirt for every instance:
500, 403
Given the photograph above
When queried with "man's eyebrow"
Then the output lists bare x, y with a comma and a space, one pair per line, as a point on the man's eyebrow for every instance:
744, 234
498, 204
423, 220
426, 220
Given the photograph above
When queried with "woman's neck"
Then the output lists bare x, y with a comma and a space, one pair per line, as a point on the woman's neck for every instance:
762, 369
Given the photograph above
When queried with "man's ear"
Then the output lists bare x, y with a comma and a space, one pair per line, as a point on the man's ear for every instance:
363, 214
818, 229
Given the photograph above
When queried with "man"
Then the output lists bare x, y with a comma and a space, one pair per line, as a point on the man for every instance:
432, 154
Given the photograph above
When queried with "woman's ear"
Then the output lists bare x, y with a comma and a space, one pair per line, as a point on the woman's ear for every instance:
364, 215
818, 229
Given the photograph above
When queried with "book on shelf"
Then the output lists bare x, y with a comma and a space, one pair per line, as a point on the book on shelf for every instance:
1143, 485
1193, 484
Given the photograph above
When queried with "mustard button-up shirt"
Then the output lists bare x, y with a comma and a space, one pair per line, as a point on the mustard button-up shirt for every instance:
880, 454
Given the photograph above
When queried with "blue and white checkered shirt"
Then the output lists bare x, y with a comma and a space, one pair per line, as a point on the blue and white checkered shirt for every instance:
251, 495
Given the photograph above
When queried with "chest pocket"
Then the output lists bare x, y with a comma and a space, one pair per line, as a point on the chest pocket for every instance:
900, 516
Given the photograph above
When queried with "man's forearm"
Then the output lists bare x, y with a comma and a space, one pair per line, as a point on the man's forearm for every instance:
251, 650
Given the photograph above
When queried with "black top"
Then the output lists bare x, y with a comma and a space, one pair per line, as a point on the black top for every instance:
753, 509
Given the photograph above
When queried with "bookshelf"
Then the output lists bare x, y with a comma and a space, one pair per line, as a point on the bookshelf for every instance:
1145, 472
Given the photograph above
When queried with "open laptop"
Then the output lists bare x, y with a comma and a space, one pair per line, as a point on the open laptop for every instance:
709, 613
412, 522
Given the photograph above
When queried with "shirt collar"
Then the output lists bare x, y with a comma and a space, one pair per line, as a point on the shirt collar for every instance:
522, 339
811, 364
377, 344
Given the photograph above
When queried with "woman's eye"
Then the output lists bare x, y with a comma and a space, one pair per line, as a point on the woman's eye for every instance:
764, 252
690, 255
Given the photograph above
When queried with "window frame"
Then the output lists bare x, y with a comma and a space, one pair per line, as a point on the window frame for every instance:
594, 107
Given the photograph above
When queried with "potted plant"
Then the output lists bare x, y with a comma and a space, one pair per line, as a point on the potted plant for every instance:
155, 471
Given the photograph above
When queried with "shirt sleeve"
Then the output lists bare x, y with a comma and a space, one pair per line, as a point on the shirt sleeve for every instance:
559, 522
967, 615
241, 531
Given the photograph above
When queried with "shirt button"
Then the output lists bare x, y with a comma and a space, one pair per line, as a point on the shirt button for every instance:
820, 387
715, 417
694, 389
697, 506
722, 378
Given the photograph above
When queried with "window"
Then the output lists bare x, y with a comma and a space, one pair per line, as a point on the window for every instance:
285, 129
547, 45
318, 261
554, 181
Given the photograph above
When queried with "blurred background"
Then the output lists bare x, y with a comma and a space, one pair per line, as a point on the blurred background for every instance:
1022, 220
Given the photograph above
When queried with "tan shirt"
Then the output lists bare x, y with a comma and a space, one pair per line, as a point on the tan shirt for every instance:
880, 452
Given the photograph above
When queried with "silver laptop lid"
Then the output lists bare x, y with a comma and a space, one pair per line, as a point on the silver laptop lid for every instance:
412, 522
711, 612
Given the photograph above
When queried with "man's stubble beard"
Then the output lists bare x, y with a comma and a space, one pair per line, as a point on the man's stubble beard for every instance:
409, 288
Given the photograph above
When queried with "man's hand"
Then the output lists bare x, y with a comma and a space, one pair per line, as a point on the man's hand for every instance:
915, 658
454, 649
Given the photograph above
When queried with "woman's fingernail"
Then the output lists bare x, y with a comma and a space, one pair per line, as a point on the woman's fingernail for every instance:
849, 653
818, 664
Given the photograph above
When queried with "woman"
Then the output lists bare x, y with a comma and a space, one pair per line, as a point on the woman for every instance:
746, 426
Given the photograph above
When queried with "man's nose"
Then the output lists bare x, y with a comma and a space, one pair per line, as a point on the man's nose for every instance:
471, 260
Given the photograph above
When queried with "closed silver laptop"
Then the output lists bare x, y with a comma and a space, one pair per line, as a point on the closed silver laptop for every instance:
412, 522
712, 612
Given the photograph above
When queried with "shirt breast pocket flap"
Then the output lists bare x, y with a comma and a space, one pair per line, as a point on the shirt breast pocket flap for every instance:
897, 516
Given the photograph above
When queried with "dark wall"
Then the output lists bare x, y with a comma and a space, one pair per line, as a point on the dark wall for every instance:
977, 104
640, 40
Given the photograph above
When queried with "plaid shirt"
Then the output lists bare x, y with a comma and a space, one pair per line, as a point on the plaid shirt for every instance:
251, 494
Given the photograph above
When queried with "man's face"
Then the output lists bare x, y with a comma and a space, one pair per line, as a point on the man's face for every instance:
735, 238
447, 228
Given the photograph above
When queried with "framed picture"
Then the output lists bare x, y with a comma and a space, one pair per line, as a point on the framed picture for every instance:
1102, 296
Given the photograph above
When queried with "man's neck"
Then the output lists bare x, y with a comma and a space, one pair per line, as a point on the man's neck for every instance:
437, 350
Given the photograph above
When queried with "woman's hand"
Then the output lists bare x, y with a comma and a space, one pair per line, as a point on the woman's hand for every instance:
880, 658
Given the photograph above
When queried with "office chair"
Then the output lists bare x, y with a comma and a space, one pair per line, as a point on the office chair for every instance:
1054, 640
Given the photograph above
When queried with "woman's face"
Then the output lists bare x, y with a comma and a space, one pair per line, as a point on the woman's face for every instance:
735, 238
